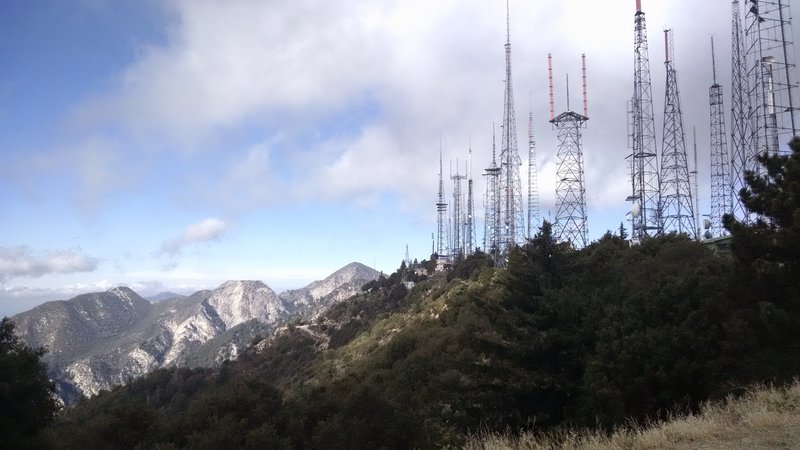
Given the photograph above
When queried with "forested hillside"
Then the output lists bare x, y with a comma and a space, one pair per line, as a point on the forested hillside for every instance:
600, 336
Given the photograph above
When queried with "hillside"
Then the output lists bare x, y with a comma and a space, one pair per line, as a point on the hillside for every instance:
560, 339
764, 417
596, 337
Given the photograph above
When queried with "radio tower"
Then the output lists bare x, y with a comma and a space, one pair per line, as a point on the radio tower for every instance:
676, 206
457, 249
513, 225
491, 231
441, 215
720, 174
770, 69
533, 183
570, 223
645, 216
469, 235
741, 152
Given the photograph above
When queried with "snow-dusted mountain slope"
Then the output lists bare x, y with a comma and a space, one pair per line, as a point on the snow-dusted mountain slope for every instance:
99, 340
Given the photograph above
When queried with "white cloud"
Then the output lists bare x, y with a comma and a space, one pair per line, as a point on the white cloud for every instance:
227, 62
206, 231
23, 261
410, 72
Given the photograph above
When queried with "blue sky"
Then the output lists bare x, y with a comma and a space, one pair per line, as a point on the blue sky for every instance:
170, 145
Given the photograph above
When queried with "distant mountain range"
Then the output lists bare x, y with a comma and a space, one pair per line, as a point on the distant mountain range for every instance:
162, 296
98, 340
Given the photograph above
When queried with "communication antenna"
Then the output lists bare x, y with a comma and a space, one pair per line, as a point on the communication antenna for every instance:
550, 79
571, 221
696, 189
643, 160
721, 202
676, 205
583, 69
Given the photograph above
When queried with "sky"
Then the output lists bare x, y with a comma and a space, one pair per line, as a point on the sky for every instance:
173, 145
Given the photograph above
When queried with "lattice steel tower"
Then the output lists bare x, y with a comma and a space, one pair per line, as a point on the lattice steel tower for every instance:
469, 222
491, 223
720, 171
513, 222
570, 224
533, 182
770, 71
441, 215
676, 206
741, 150
457, 247
645, 217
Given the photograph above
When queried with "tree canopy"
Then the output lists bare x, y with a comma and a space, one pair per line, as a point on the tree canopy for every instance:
27, 396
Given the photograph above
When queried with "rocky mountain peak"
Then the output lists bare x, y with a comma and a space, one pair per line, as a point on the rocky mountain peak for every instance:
127, 295
354, 272
238, 301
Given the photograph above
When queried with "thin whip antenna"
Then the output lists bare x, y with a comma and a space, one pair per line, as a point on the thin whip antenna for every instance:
696, 187
550, 78
713, 60
583, 63
469, 157
567, 92
494, 143
508, 25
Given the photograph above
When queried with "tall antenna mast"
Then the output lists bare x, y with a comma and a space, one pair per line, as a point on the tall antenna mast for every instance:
644, 198
469, 233
491, 232
696, 189
550, 80
458, 248
721, 203
441, 213
533, 182
583, 70
513, 222
571, 222
676, 205
741, 149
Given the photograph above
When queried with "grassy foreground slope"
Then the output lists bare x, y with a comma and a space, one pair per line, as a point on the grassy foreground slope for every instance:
762, 418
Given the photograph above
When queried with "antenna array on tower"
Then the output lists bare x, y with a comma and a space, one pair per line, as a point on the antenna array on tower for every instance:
720, 173
675, 204
645, 215
469, 222
571, 224
533, 183
457, 245
770, 71
491, 235
441, 214
741, 151
513, 225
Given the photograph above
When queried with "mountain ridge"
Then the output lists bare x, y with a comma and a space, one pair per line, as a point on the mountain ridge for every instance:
102, 339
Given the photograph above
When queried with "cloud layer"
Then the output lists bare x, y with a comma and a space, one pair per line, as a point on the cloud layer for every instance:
206, 231
23, 261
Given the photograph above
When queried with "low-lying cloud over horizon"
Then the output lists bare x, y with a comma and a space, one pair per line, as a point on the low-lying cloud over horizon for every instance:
23, 261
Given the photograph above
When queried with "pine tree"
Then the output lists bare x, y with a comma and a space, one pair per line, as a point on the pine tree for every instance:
27, 395
767, 252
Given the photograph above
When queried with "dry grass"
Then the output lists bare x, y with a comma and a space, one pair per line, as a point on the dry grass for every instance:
763, 418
